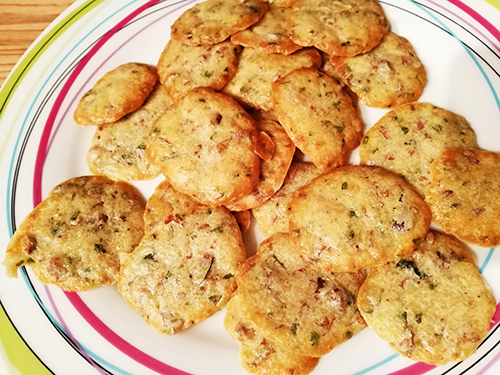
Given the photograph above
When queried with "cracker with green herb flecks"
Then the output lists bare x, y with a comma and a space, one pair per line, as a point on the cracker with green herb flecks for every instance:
356, 217
411, 136
305, 311
119, 92
118, 150
213, 21
260, 355
318, 115
432, 306
204, 144
339, 28
463, 195
79, 235
258, 69
269, 33
388, 75
184, 270
272, 172
182, 68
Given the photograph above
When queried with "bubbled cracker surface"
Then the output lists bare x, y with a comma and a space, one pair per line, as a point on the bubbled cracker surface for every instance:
204, 144
410, 137
185, 268
388, 75
78, 236
259, 354
269, 33
463, 195
432, 306
271, 216
339, 28
356, 217
273, 172
213, 21
258, 69
318, 116
120, 91
306, 311
182, 68
118, 150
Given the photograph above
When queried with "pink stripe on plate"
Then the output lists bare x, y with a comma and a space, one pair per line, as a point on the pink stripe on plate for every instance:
483, 21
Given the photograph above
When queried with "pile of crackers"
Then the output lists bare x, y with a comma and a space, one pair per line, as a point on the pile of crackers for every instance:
242, 91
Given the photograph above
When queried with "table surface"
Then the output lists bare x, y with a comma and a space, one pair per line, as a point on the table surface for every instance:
21, 22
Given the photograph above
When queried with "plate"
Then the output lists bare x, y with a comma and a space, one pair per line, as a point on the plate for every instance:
44, 330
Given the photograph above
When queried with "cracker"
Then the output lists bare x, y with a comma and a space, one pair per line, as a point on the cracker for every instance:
118, 150
432, 306
259, 354
271, 216
119, 92
388, 75
78, 236
185, 268
356, 217
303, 310
463, 195
258, 69
338, 28
182, 68
269, 33
411, 136
273, 172
213, 21
204, 144
319, 117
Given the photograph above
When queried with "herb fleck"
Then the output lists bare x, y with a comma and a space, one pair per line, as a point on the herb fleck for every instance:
99, 249
252, 9
314, 338
408, 264
228, 276
293, 328
150, 256
344, 186
404, 129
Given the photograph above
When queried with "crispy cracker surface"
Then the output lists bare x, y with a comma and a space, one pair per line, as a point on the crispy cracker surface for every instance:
78, 236
120, 91
213, 21
411, 136
258, 69
388, 75
318, 116
356, 217
182, 68
432, 306
339, 28
204, 144
463, 195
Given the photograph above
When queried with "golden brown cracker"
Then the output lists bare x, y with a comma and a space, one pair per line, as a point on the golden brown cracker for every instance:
119, 92
432, 306
356, 217
318, 116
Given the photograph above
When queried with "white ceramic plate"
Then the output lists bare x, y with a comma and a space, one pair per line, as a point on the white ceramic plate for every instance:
45, 330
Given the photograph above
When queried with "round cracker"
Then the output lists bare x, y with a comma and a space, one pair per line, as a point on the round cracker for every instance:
356, 217
258, 69
411, 136
432, 306
182, 68
388, 75
271, 216
305, 311
78, 236
119, 92
204, 144
213, 21
118, 150
259, 354
185, 268
463, 195
269, 33
273, 172
318, 115
338, 28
